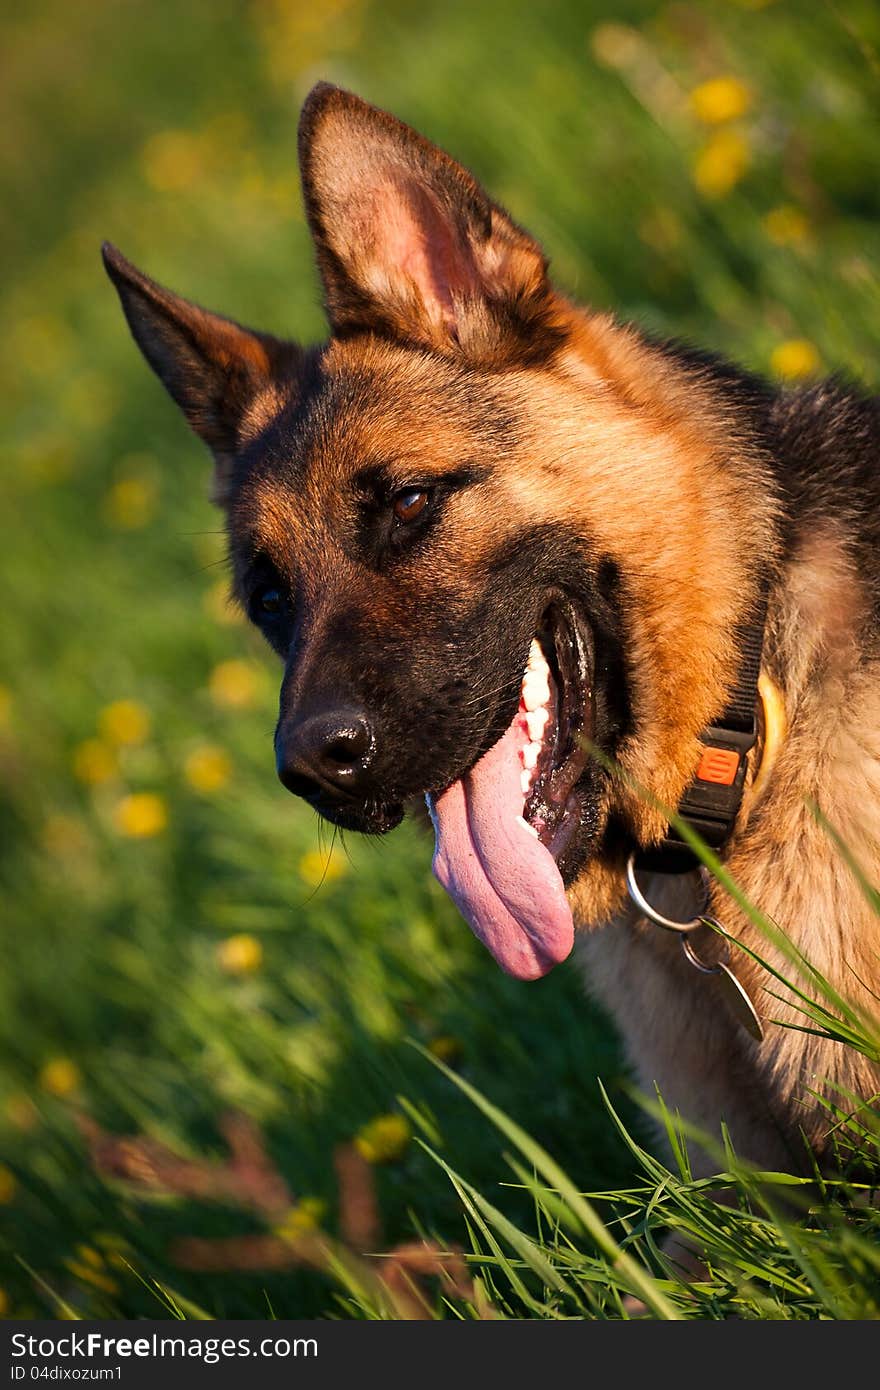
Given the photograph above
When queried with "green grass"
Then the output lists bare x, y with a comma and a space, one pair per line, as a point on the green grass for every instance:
171, 130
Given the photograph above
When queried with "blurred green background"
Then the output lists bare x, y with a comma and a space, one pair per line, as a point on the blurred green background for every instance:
179, 939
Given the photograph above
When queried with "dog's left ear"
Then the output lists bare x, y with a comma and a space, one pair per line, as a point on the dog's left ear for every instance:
409, 244
216, 371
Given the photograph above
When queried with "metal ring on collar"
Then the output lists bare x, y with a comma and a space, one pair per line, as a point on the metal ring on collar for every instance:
651, 913
716, 966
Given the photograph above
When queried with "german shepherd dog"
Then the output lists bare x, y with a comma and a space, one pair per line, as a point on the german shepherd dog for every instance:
489, 532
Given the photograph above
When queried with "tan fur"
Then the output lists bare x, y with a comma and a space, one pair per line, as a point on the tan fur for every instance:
260, 412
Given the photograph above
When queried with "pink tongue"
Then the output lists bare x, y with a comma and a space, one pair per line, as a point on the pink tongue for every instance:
502, 879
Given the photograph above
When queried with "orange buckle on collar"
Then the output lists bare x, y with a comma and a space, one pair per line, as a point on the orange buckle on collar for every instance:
719, 765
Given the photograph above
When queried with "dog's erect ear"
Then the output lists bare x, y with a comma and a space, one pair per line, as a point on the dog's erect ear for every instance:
216, 371
407, 241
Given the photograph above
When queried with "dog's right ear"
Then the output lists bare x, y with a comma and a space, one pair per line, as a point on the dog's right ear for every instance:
409, 245
216, 371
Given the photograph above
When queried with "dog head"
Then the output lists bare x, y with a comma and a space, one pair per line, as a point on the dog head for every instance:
483, 529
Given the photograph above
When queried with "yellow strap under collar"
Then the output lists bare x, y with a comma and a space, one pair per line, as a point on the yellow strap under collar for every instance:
775, 729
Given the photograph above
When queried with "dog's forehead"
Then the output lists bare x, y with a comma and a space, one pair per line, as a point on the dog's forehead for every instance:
380, 402
371, 406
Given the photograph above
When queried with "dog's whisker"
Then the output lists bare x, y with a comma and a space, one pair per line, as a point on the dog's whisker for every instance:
211, 565
322, 829
485, 697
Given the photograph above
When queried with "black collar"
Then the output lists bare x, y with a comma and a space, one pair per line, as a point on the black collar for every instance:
711, 803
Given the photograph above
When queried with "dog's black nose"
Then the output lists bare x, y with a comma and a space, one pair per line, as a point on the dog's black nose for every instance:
325, 753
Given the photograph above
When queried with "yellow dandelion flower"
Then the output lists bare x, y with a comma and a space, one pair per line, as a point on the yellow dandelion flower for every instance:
140, 815
125, 723
87, 1275
5, 706
795, 359
721, 163
240, 955
307, 1215
207, 769
218, 605
4, 1303
323, 866
114, 1249
384, 1140
720, 99
131, 503
109, 1240
234, 684
21, 1112
8, 1184
89, 1256
787, 226
446, 1049
298, 38
94, 762
60, 1077
172, 160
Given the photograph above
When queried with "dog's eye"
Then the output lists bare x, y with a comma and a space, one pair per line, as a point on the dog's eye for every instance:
267, 600
409, 504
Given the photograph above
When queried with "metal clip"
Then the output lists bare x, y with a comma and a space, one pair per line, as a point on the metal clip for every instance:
667, 923
733, 993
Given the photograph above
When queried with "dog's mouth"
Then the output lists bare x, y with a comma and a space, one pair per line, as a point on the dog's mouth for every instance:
503, 828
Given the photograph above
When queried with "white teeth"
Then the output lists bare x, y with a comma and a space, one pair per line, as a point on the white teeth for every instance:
535, 692
530, 754
536, 722
534, 697
536, 659
536, 679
